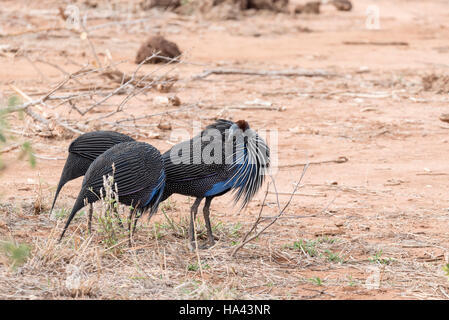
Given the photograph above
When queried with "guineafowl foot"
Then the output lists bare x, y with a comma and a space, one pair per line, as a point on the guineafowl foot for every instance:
192, 246
207, 245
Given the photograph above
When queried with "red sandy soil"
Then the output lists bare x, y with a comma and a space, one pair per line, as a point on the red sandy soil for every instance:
391, 196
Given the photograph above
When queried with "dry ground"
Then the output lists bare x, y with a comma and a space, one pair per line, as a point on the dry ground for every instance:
373, 227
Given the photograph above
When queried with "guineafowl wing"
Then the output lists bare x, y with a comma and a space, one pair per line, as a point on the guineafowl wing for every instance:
137, 165
92, 144
185, 162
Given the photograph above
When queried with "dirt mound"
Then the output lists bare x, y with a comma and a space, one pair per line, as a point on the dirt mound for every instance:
224, 9
216, 9
273, 5
312, 7
160, 45
165, 4
342, 5
436, 83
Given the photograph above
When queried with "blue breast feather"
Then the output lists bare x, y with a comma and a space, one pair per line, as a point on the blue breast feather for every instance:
241, 176
158, 190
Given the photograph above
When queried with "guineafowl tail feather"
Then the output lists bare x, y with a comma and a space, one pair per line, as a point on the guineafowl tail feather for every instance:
61, 183
157, 196
79, 203
74, 167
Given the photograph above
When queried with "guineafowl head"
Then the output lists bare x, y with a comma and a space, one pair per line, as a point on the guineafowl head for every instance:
250, 160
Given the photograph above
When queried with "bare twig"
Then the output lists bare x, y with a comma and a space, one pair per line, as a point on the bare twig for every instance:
246, 238
132, 119
92, 48
119, 88
43, 76
37, 116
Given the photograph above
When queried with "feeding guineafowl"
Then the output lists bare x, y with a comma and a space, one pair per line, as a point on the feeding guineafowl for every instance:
226, 156
138, 172
83, 151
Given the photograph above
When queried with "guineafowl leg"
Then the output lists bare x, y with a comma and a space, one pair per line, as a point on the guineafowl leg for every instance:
130, 219
193, 212
136, 217
132, 222
89, 222
206, 212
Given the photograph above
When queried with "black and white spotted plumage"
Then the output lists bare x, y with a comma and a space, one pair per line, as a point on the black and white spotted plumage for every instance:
138, 172
226, 156
241, 167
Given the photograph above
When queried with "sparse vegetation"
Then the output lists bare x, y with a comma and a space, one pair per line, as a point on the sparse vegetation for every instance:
195, 266
16, 253
26, 149
317, 248
446, 270
351, 281
317, 281
377, 258
333, 257
307, 246
365, 108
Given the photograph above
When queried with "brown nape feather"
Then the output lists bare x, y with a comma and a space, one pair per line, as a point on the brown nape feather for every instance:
242, 124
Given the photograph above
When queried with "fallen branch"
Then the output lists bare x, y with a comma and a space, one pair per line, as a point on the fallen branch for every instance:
25, 107
138, 82
259, 219
42, 100
258, 107
299, 194
32, 31
341, 159
377, 43
46, 157
10, 148
47, 96
285, 73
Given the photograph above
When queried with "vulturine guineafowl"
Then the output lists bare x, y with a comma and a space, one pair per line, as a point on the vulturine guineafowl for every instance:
226, 156
83, 151
138, 172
